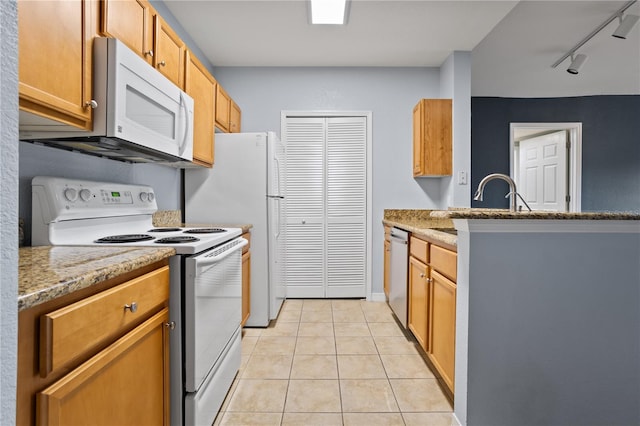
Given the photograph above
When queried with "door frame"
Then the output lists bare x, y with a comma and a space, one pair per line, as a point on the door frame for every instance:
574, 157
369, 174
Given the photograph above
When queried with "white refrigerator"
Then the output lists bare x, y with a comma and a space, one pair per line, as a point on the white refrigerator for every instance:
245, 186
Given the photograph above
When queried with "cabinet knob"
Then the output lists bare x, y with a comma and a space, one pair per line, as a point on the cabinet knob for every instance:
162, 63
149, 53
133, 307
429, 280
91, 104
170, 325
421, 275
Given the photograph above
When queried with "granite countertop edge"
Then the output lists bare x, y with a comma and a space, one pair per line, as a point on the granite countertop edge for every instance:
423, 230
539, 215
46, 273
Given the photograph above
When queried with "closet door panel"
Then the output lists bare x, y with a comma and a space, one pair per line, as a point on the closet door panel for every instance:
346, 206
304, 207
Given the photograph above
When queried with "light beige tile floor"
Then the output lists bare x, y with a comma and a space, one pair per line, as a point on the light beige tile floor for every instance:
333, 362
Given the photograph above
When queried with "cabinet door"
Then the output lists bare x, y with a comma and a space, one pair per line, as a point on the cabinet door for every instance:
222, 109
169, 52
432, 143
130, 21
55, 59
387, 267
125, 384
235, 117
443, 326
417, 140
419, 301
200, 85
246, 286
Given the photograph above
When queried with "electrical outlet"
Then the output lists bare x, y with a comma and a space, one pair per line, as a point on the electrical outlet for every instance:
462, 178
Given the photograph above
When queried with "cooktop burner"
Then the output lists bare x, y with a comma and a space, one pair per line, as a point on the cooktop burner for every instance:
126, 238
164, 230
205, 231
177, 240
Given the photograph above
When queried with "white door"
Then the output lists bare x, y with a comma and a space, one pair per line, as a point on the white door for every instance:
326, 203
542, 172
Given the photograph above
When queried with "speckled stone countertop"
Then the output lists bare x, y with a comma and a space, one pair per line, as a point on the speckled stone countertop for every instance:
421, 224
462, 213
174, 218
47, 272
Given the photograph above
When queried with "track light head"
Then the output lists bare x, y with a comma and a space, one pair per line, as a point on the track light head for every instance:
576, 63
626, 25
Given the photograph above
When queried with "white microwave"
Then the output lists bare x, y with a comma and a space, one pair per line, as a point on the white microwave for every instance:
139, 116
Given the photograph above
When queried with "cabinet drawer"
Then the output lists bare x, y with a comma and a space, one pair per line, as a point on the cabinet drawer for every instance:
418, 249
84, 326
444, 261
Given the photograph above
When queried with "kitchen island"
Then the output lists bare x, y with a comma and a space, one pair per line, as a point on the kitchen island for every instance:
547, 317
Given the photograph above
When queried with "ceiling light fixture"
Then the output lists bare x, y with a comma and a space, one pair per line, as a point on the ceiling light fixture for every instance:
331, 12
626, 25
572, 53
576, 63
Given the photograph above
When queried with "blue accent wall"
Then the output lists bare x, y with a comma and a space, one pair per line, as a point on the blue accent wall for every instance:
610, 145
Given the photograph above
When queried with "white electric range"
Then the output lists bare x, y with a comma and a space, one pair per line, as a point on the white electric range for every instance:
206, 279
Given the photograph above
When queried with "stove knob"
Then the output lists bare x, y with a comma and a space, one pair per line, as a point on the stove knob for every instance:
85, 194
71, 194
152, 196
144, 196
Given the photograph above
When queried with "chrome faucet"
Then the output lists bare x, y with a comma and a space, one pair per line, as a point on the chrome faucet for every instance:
512, 190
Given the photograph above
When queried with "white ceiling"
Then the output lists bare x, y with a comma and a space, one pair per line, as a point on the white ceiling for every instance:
513, 43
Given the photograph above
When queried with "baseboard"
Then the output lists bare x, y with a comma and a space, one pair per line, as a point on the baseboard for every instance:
378, 297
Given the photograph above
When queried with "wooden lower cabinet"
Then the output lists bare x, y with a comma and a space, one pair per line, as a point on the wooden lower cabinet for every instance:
246, 287
432, 304
443, 326
99, 355
419, 302
387, 261
125, 384
246, 279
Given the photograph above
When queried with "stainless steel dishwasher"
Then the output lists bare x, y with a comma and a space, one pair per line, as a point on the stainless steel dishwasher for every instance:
399, 265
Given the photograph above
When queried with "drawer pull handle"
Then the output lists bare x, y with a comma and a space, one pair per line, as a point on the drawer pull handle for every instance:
170, 325
133, 307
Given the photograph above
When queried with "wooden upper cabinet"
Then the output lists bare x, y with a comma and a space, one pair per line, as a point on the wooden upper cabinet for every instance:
235, 118
201, 86
55, 59
432, 139
131, 22
169, 51
223, 109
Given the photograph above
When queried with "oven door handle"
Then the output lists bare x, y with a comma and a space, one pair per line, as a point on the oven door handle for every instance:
204, 260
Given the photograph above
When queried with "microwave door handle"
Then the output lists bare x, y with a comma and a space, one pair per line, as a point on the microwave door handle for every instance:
183, 105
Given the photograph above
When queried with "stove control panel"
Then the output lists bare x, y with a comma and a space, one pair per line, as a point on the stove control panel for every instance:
56, 199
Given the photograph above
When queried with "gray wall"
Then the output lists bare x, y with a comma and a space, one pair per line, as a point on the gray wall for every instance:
610, 145
8, 205
553, 333
390, 93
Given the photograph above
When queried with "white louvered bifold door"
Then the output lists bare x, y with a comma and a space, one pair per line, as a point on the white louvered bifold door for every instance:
325, 207
304, 213
346, 206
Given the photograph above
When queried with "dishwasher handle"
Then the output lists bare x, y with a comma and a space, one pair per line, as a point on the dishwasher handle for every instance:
399, 238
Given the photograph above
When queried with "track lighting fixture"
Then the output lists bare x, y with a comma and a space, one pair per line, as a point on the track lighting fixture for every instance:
626, 25
622, 31
576, 63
